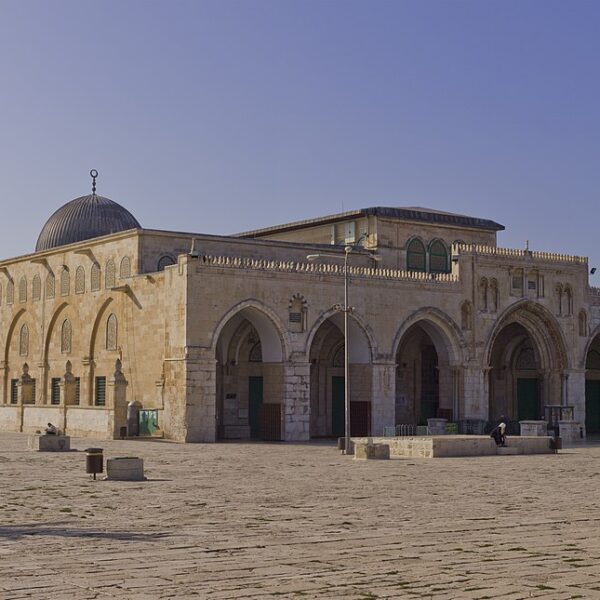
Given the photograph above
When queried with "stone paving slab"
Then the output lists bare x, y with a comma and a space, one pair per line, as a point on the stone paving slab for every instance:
244, 520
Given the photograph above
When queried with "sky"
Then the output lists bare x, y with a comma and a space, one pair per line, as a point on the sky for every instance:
226, 116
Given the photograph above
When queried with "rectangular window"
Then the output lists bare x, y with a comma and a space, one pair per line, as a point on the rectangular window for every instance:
531, 285
517, 282
33, 388
350, 233
55, 390
295, 317
100, 392
14, 391
77, 390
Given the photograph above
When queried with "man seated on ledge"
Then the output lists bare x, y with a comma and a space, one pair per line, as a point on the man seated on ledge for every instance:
51, 429
498, 434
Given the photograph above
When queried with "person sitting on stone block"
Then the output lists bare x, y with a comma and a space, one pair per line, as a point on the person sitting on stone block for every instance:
51, 429
498, 434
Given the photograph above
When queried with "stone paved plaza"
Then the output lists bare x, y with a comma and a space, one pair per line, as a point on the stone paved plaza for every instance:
297, 521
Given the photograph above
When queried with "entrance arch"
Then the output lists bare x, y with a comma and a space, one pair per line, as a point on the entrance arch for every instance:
327, 378
526, 363
592, 386
249, 351
427, 352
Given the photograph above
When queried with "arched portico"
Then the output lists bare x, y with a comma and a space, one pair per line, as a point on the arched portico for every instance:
428, 350
249, 350
592, 385
327, 377
527, 364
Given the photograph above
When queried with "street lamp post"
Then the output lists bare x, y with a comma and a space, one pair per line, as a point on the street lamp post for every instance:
346, 309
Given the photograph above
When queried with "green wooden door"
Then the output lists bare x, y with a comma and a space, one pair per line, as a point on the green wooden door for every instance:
338, 418
592, 406
255, 400
430, 397
527, 400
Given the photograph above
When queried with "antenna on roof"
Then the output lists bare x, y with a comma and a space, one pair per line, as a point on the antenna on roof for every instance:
94, 174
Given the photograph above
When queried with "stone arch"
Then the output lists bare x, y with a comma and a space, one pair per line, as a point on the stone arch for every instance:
51, 325
441, 328
276, 346
10, 333
250, 394
357, 329
416, 255
427, 349
165, 261
125, 268
96, 326
543, 328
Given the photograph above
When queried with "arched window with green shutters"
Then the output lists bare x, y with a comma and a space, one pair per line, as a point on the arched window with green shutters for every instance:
438, 257
415, 256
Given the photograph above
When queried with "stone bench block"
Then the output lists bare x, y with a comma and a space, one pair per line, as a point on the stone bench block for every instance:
371, 451
508, 451
125, 469
49, 443
538, 428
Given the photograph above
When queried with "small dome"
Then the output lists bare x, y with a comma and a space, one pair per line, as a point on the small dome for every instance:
83, 219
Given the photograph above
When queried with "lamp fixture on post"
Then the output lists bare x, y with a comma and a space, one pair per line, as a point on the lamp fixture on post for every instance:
346, 309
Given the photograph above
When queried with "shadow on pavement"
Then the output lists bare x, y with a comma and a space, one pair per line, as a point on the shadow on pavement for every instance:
20, 531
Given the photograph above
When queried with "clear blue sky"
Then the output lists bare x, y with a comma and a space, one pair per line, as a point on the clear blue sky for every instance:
223, 116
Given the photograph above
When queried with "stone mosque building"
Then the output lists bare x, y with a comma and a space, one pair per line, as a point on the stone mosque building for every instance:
208, 337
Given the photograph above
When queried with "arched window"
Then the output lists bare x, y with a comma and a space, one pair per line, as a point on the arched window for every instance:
164, 261
415, 256
95, 278
255, 354
568, 300
466, 313
23, 290
80, 280
110, 275
493, 295
66, 336
24, 341
10, 292
483, 294
50, 286
36, 288
559, 298
125, 270
65, 282
438, 257
583, 323
111, 332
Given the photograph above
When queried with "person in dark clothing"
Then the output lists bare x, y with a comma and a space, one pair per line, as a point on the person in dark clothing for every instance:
51, 429
498, 434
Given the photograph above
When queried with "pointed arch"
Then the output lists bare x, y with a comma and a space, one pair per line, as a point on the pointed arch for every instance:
23, 290
66, 337
95, 277
96, 325
125, 268
439, 257
50, 286
24, 340
51, 325
111, 332
442, 329
65, 282
543, 328
10, 333
110, 275
36, 288
276, 346
357, 326
80, 280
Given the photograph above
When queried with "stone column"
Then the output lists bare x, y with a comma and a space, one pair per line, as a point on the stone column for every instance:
383, 396
196, 421
86, 389
296, 402
116, 401
67, 395
4, 399
576, 395
475, 393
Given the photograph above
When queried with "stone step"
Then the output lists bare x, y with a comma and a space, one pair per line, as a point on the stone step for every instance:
508, 451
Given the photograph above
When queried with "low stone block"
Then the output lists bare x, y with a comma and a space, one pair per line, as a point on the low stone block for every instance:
125, 469
49, 443
534, 428
371, 451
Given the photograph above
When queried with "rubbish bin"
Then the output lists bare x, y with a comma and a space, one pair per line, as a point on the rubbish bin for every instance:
94, 461
123, 432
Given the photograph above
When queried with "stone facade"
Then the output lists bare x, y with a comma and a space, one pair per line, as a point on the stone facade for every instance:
241, 337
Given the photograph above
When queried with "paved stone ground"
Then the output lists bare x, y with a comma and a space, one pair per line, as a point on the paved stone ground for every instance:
297, 521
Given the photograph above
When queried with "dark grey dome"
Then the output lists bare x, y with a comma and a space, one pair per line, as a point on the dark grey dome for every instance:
83, 219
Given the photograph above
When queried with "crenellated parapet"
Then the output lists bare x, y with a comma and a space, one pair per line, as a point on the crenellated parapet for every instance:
324, 269
512, 253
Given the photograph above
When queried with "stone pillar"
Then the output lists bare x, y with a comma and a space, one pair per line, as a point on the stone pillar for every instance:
196, 422
576, 395
116, 401
475, 393
86, 389
296, 402
42, 388
67, 395
383, 397
4, 399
